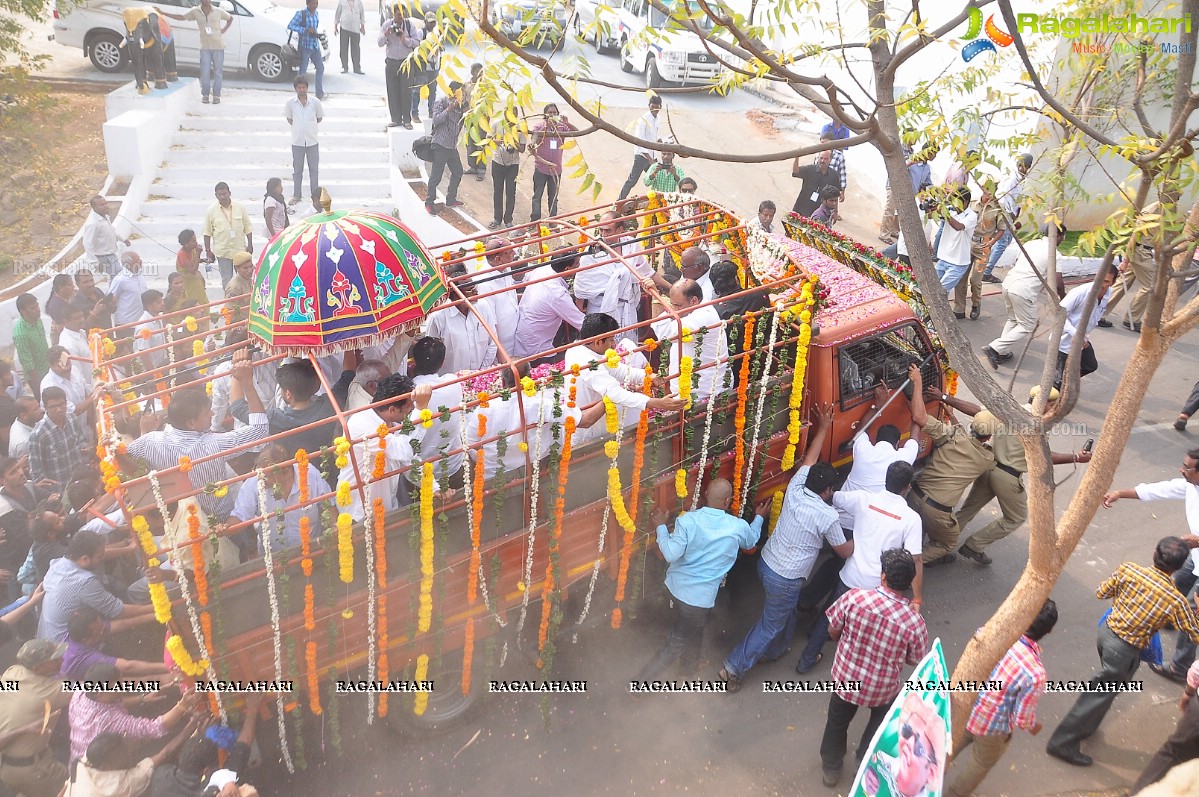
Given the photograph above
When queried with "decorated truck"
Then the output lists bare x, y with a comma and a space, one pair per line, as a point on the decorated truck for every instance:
442, 587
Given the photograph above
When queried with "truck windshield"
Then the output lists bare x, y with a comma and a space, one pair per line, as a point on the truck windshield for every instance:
882, 360
657, 19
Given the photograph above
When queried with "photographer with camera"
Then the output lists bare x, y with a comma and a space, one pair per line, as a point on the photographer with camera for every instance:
546, 146
447, 126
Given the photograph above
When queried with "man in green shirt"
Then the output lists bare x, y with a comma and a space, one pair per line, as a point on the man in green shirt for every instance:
663, 175
29, 338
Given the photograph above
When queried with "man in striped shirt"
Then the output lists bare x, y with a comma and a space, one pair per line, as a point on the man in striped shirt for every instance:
997, 714
1145, 600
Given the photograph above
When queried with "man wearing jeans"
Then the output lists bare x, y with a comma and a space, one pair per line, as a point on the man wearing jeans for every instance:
700, 550
953, 252
304, 24
303, 114
447, 126
212, 23
1010, 191
804, 525
646, 130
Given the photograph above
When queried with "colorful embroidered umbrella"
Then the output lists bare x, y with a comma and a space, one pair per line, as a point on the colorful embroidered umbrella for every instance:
341, 280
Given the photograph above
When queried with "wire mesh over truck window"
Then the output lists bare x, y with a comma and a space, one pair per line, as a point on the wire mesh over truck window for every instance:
882, 359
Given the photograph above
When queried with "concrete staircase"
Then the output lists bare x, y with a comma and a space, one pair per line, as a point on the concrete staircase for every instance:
244, 141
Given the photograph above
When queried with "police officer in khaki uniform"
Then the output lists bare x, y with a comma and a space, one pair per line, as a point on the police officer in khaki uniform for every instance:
1004, 482
26, 764
959, 457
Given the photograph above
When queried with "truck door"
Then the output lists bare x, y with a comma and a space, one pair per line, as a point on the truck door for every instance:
865, 364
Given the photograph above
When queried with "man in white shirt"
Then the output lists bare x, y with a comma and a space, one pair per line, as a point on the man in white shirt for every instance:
953, 253
882, 520
100, 237
61, 375
1073, 305
764, 221
29, 412
127, 288
74, 339
465, 328
646, 129
613, 284
1011, 189
621, 385
1022, 289
545, 305
496, 276
304, 114
399, 454
710, 362
1184, 489
441, 437
871, 460
367, 376
150, 332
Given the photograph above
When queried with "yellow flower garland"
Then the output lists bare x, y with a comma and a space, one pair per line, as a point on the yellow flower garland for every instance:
343, 493
616, 497
183, 658
426, 418
680, 482
611, 449
425, 614
794, 424
528, 386
158, 597
345, 547
686, 366
612, 358
422, 672
611, 417
142, 528
776, 511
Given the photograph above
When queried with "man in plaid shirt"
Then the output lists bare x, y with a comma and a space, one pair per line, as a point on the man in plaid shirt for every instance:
1145, 600
305, 25
997, 714
877, 632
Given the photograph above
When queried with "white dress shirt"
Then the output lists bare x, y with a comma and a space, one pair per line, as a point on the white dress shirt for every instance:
622, 385
99, 236
1073, 304
882, 521
503, 415
398, 454
156, 336
714, 352
1174, 489
127, 288
955, 244
543, 308
304, 117
18, 438
443, 436
75, 342
468, 344
705, 284
870, 463
76, 390
1009, 193
646, 129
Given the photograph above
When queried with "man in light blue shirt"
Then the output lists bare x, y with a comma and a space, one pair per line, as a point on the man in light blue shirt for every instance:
282, 497
700, 550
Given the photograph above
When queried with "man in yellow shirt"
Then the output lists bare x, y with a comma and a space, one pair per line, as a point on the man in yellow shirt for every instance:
227, 231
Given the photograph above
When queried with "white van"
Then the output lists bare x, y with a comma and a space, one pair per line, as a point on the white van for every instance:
670, 56
254, 41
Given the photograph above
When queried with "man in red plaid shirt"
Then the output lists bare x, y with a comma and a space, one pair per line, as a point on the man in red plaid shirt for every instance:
877, 631
997, 714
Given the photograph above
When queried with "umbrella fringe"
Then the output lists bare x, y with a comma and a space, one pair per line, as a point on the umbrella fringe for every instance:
340, 347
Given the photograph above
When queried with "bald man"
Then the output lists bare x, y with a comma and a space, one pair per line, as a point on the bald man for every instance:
701, 549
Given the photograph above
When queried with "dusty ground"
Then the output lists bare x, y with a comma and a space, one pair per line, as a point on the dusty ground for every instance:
52, 168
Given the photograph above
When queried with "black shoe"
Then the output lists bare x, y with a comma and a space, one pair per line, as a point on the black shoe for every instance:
959, 316
407, 125
1169, 672
416, 118
454, 203
1130, 326
732, 684
992, 279
975, 312
1070, 757
322, 96
1181, 424
941, 560
829, 777
992, 357
977, 556
1103, 322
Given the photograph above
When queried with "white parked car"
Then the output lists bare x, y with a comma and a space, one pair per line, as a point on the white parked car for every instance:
670, 56
596, 21
515, 17
254, 41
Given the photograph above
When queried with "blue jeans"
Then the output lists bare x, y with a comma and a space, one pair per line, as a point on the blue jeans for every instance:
212, 69
769, 637
950, 273
819, 633
997, 251
318, 66
1184, 648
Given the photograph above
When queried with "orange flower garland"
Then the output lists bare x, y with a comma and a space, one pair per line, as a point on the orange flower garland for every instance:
314, 687
468, 654
381, 454
555, 534
197, 549
206, 628
739, 415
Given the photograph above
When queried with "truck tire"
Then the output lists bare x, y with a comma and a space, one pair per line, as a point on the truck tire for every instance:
106, 52
448, 707
625, 64
653, 78
266, 63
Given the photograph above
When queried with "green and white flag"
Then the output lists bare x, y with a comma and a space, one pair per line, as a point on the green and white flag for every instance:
906, 757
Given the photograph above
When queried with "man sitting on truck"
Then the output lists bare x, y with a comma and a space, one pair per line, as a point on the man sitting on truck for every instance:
959, 457
621, 385
443, 436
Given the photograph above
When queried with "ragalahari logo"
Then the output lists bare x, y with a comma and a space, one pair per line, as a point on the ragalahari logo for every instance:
983, 44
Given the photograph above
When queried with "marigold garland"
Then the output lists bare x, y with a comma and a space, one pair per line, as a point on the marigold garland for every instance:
422, 672
306, 545
341, 447
345, 547
190, 324
380, 455
555, 534
142, 529
686, 365
309, 607
185, 464
611, 416
739, 414
183, 657
206, 629
468, 654
763, 389
680, 482
776, 511
798, 373
618, 507
425, 614
472, 581
314, 686
426, 418
197, 551
158, 597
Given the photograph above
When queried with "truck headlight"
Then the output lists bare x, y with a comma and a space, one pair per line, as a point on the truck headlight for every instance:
673, 57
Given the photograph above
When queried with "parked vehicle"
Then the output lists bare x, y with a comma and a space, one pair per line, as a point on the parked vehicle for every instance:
254, 41
664, 56
532, 23
597, 22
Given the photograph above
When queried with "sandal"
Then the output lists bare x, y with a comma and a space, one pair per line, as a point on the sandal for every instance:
732, 683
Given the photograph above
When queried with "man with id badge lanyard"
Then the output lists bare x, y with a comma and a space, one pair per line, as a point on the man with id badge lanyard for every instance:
546, 147
815, 176
225, 227
212, 22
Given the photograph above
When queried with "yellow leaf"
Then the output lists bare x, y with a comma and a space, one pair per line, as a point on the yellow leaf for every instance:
575, 161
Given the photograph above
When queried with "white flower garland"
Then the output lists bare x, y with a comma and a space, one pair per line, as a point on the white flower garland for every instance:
753, 446
193, 615
703, 450
372, 609
603, 538
268, 562
534, 485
